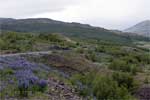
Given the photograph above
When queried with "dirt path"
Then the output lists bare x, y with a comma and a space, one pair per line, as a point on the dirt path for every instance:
27, 53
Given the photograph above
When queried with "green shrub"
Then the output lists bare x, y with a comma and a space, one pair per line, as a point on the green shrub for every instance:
101, 87
126, 80
16, 42
105, 88
92, 57
2, 43
7, 71
121, 65
50, 37
147, 80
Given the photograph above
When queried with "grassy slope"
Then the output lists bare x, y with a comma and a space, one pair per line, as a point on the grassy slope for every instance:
69, 29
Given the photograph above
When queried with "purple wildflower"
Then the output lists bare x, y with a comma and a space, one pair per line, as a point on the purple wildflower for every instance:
42, 83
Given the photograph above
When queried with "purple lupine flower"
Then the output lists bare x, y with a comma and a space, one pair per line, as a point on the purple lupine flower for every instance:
28, 75
33, 80
21, 63
23, 84
42, 83
24, 71
1, 67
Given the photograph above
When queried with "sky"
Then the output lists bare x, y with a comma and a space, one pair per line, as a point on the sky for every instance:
110, 14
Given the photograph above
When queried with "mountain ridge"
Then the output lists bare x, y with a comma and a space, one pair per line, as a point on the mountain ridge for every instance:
73, 29
142, 28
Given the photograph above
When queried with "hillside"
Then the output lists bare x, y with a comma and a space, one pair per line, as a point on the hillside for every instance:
44, 25
56, 67
142, 28
44, 59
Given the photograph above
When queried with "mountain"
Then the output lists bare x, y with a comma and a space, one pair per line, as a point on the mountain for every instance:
6, 20
45, 25
142, 28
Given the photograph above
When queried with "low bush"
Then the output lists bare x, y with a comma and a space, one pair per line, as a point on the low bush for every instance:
126, 80
100, 86
121, 65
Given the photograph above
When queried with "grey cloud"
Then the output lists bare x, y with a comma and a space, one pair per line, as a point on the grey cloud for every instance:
23, 8
116, 14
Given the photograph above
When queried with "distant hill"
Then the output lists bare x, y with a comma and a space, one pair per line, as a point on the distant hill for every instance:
44, 25
142, 28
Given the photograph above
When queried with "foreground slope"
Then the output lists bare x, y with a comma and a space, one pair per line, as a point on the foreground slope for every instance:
71, 70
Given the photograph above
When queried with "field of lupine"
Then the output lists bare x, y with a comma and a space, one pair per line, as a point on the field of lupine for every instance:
22, 72
21, 77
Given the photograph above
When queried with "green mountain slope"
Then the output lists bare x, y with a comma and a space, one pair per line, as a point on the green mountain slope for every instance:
44, 25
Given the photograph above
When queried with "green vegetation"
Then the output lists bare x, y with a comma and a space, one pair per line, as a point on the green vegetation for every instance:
126, 80
77, 30
102, 87
94, 68
16, 42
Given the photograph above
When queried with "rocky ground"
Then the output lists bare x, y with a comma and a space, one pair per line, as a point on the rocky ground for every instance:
58, 90
144, 93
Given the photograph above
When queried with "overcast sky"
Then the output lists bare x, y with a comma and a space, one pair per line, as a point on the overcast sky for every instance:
111, 14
